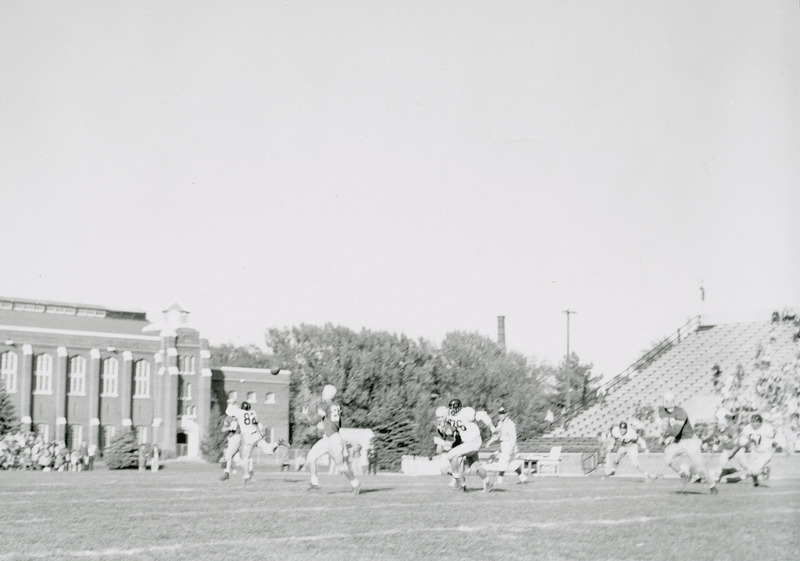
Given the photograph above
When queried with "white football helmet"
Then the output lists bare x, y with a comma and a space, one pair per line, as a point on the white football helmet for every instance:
467, 414
669, 400
328, 392
441, 412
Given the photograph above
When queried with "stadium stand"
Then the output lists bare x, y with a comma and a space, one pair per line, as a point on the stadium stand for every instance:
705, 365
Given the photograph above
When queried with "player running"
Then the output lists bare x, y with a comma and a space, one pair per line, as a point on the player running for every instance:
506, 432
680, 438
759, 437
725, 447
329, 415
252, 434
629, 441
232, 454
463, 421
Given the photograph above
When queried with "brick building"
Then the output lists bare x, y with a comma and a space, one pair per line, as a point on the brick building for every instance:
78, 372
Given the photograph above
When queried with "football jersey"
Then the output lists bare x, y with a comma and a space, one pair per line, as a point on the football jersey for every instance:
248, 422
233, 426
507, 431
678, 425
448, 433
726, 438
331, 415
762, 437
467, 429
630, 436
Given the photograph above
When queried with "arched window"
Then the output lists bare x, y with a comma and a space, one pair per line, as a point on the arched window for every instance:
43, 374
110, 377
251, 397
141, 379
8, 371
77, 375
186, 364
187, 391
233, 397
270, 397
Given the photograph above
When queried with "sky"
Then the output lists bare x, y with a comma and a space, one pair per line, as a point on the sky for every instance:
412, 167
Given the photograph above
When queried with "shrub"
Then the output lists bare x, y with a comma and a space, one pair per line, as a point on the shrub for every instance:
214, 443
123, 451
8, 419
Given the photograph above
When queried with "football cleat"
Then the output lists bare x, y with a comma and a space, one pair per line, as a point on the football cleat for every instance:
225, 476
312, 488
713, 490
755, 480
357, 488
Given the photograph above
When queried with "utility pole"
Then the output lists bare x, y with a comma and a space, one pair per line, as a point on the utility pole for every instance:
568, 366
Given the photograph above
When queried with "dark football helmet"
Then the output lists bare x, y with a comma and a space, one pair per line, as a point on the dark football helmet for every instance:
245, 406
454, 406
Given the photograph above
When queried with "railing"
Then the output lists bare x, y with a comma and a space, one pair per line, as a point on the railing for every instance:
643, 362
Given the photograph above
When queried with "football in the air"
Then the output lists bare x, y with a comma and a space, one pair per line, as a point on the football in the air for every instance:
275, 371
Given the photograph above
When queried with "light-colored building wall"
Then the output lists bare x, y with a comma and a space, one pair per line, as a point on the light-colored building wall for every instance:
57, 357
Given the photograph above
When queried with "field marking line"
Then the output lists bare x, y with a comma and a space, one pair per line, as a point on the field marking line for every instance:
490, 528
519, 499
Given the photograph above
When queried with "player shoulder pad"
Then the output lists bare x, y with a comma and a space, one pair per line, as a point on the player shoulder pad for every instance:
467, 414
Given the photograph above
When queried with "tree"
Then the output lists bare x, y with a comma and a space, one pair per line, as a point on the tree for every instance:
215, 442
577, 378
123, 451
8, 417
248, 356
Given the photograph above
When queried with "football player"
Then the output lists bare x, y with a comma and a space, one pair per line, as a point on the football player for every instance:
629, 442
725, 446
329, 414
232, 454
679, 438
252, 433
446, 436
506, 432
758, 436
463, 420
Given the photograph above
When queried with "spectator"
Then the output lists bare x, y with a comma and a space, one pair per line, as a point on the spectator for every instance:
142, 457
716, 376
91, 451
154, 457
792, 434
74, 460
372, 460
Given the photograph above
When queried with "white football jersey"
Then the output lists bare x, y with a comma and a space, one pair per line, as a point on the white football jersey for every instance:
464, 423
762, 437
630, 436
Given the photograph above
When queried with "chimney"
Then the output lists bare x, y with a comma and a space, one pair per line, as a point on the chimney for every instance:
501, 331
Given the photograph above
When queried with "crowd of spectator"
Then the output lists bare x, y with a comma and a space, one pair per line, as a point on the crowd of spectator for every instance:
21, 451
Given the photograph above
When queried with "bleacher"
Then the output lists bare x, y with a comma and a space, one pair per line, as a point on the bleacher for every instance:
684, 366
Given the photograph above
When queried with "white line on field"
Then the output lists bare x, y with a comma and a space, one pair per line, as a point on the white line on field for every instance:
361, 505
490, 528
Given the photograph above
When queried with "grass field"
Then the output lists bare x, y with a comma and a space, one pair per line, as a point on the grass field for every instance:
184, 512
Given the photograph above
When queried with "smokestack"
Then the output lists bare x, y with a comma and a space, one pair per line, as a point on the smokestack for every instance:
501, 331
